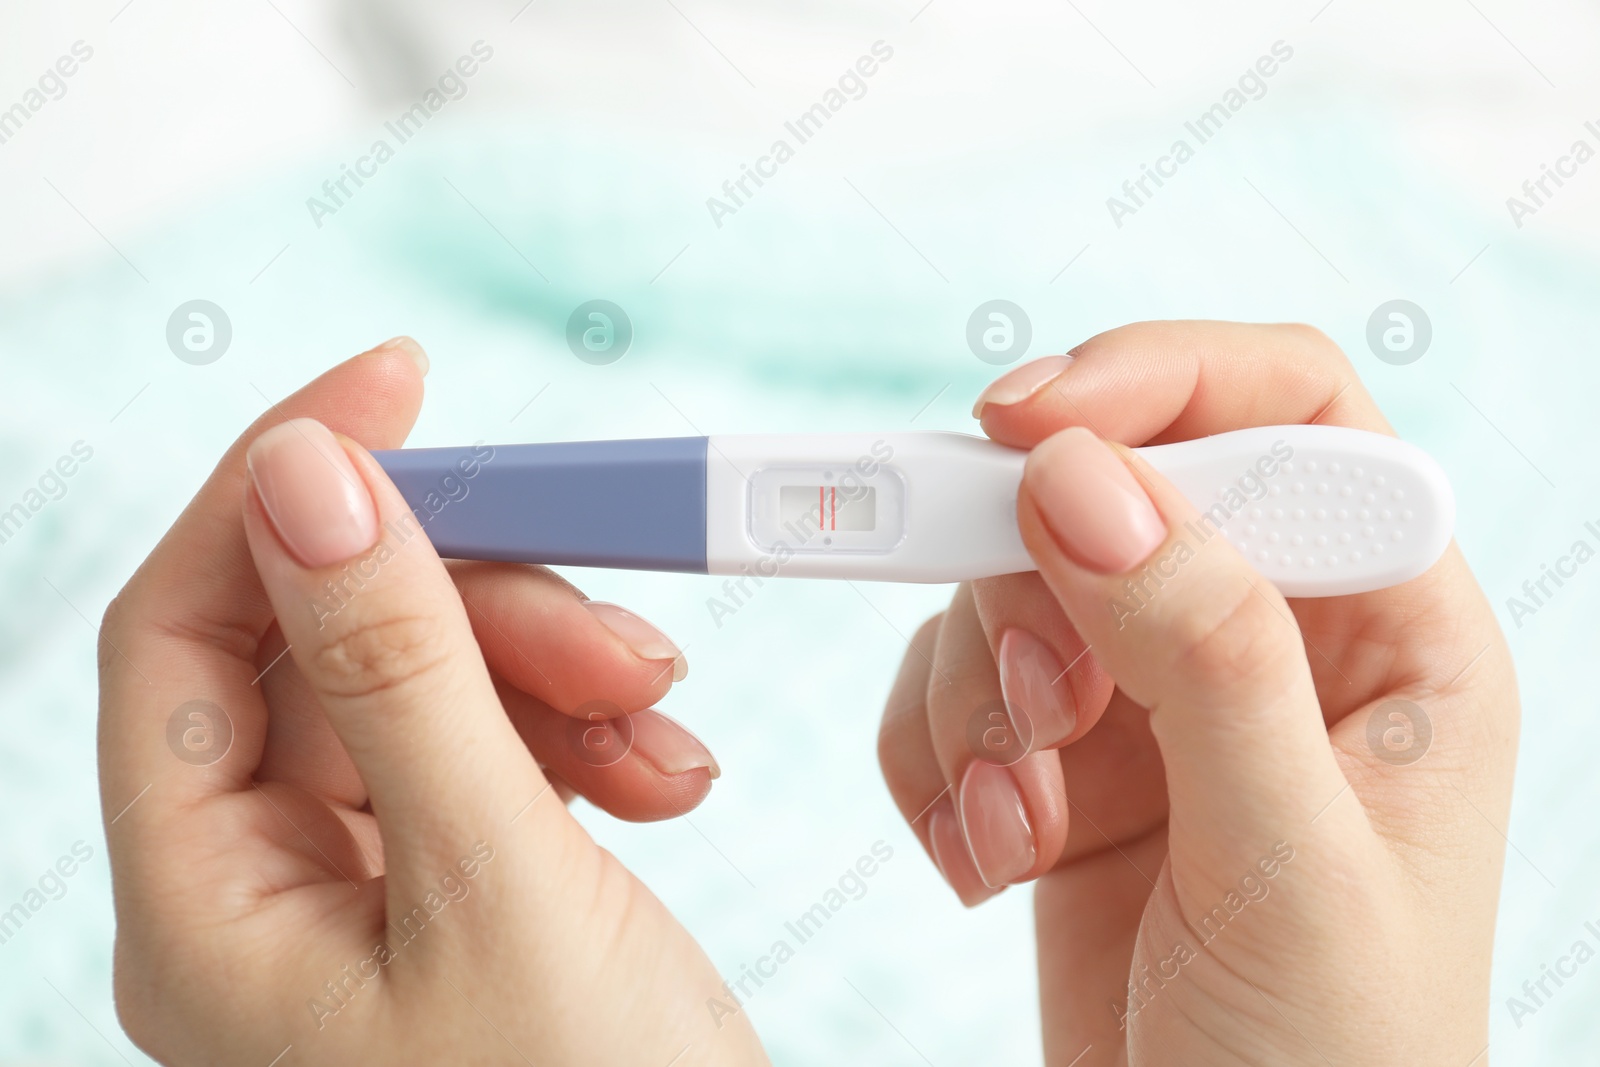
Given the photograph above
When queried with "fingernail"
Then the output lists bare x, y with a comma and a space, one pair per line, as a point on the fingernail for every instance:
317, 502
1092, 502
951, 856
1032, 678
1018, 385
409, 347
669, 747
646, 641
994, 821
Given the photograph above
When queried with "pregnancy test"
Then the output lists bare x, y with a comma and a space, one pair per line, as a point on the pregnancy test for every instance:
1317, 510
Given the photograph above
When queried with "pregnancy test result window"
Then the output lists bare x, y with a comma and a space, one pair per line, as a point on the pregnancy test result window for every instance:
814, 509
831, 508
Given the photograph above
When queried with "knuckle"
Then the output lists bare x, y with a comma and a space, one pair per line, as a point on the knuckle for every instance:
111, 632
140, 999
924, 645
1309, 335
898, 734
378, 655
137, 1022
1316, 345
1249, 644
943, 694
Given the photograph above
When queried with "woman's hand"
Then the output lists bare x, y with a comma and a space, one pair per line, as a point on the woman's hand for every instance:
332, 772
1263, 832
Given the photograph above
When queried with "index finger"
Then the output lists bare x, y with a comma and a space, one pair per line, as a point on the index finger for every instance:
1154, 382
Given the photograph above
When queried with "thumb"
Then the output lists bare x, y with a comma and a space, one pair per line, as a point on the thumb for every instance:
1188, 630
374, 624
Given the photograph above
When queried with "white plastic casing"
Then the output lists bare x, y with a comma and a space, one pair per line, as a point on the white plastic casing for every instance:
958, 521
1317, 510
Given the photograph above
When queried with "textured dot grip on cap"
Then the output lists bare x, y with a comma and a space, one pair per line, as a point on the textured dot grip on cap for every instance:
1318, 510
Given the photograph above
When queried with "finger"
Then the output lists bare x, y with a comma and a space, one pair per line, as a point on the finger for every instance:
1111, 771
1166, 381
1115, 783
186, 626
1172, 381
1090, 916
301, 748
642, 767
575, 654
536, 630
394, 663
1208, 647
1045, 667
911, 769
1011, 803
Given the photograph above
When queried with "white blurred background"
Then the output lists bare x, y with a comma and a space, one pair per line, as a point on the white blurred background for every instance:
177, 163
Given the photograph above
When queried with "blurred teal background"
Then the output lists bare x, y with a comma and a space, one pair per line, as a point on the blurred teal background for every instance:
977, 165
